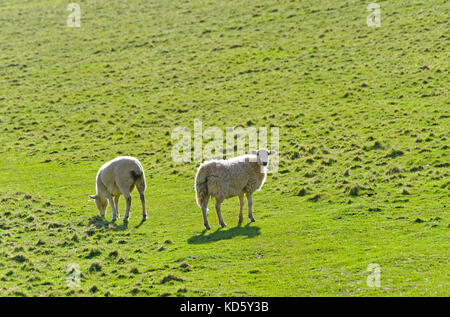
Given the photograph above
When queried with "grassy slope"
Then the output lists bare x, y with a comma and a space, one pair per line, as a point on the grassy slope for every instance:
373, 102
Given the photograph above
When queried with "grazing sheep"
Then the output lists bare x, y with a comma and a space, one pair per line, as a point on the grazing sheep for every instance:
118, 177
224, 179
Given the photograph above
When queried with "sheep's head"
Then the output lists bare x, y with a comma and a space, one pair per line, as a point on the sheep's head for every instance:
262, 156
101, 203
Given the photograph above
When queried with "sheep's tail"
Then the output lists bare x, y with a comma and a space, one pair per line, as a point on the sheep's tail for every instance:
201, 187
138, 180
136, 175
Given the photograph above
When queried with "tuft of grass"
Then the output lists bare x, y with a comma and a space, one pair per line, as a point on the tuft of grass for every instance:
394, 153
171, 277
185, 266
162, 248
354, 189
134, 270
40, 242
135, 291
375, 146
113, 254
20, 258
93, 253
314, 198
95, 267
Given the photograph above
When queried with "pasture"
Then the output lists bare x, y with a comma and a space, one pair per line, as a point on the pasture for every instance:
363, 177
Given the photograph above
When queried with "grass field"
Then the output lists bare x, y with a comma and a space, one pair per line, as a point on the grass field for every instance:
363, 115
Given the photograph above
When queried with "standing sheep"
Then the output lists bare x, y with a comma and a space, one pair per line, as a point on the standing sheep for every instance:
224, 179
119, 177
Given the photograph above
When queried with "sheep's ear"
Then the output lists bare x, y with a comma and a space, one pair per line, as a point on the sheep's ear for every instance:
272, 152
254, 152
92, 196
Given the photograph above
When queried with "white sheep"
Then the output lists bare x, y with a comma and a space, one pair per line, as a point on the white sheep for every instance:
119, 177
223, 179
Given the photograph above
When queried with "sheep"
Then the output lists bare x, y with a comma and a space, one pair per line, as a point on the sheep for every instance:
223, 179
119, 177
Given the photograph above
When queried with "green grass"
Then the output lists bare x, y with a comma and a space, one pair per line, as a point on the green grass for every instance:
364, 126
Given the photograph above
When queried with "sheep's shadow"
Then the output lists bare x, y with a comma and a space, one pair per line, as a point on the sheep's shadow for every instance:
100, 222
221, 234
140, 224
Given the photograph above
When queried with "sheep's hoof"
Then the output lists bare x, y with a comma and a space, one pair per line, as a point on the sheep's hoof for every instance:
223, 225
241, 220
207, 226
126, 219
144, 218
252, 220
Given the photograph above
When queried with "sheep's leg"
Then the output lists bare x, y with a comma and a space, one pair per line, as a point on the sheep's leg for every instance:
140, 185
250, 204
219, 214
205, 213
126, 217
144, 213
113, 208
241, 207
116, 204
125, 191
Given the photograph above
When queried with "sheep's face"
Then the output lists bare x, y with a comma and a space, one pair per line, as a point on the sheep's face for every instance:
262, 156
101, 204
